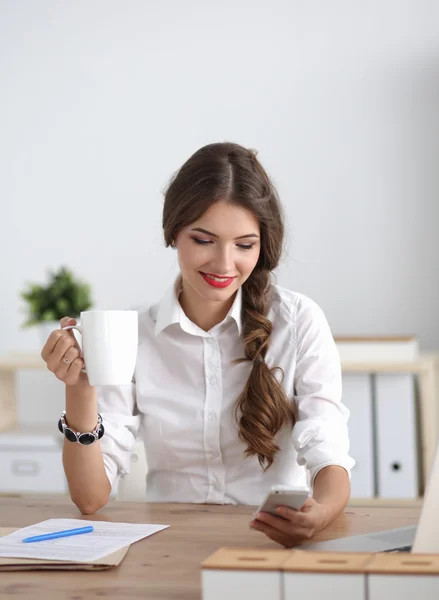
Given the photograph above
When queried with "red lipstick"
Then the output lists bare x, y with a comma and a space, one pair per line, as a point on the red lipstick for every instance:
216, 281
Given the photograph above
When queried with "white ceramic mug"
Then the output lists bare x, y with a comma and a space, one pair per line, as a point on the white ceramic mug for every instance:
109, 345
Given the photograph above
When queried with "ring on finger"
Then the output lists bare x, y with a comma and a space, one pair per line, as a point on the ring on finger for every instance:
67, 361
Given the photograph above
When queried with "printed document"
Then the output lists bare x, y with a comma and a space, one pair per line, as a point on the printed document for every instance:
106, 538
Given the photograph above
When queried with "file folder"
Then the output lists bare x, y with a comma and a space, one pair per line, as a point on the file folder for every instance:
396, 435
357, 397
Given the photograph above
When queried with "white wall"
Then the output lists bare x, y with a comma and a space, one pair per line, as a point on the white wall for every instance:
102, 100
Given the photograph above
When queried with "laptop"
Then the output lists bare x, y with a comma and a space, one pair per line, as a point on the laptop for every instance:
423, 538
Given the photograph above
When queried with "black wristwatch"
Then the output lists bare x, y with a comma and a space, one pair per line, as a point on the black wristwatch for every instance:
86, 439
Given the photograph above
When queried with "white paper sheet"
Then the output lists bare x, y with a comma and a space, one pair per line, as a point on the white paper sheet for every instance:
106, 538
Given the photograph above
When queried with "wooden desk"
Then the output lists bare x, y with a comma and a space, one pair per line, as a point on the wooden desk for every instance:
165, 566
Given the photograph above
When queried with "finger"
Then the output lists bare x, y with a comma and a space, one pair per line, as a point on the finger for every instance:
299, 536
70, 355
289, 515
52, 339
308, 505
278, 523
63, 367
275, 535
63, 343
50, 344
297, 517
67, 321
60, 371
74, 371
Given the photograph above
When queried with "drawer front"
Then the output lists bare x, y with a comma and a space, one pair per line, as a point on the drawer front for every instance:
32, 471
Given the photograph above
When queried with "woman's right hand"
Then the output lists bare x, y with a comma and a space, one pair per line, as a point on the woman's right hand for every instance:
62, 356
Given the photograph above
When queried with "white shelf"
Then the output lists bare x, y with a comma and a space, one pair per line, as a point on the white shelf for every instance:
31, 459
423, 363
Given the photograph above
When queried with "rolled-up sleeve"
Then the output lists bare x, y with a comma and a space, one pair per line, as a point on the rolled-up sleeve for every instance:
320, 435
117, 406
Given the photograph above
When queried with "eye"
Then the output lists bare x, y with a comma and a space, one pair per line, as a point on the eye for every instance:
245, 246
201, 242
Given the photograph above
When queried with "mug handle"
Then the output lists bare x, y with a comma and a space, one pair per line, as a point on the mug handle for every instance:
79, 329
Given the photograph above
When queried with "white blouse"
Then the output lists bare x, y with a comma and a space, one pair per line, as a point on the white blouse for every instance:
182, 404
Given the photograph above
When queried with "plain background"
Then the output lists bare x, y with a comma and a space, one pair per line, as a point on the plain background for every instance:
102, 100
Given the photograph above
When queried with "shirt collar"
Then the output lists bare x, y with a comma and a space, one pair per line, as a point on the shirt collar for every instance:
169, 308
236, 309
170, 311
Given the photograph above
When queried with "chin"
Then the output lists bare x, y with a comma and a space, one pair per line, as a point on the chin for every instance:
218, 295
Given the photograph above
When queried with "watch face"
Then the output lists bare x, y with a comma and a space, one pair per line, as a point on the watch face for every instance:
86, 439
70, 435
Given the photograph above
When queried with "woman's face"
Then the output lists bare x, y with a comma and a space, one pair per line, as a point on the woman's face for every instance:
218, 252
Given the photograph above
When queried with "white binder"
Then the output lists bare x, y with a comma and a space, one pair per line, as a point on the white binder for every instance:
397, 461
357, 396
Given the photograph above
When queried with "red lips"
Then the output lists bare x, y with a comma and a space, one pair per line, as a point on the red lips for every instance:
222, 283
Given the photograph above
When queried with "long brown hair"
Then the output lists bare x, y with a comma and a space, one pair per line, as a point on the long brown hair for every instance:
229, 172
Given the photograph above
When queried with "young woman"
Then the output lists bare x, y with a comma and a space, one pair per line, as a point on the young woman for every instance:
237, 385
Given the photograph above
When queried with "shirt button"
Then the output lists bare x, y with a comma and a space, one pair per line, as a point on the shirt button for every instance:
211, 416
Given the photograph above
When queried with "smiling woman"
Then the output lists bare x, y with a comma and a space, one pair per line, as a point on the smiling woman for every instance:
238, 383
219, 200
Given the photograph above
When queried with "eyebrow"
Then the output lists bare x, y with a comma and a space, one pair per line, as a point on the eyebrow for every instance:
201, 230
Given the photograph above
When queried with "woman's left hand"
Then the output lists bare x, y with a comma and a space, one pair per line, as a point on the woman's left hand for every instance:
292, 527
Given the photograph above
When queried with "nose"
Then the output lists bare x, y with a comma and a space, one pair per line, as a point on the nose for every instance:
223, 263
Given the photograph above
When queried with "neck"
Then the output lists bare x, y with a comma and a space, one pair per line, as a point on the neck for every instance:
203, 313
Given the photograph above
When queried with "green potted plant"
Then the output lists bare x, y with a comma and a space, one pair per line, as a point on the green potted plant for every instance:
63, 295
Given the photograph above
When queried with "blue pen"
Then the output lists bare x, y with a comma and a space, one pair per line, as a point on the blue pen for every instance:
59, 534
